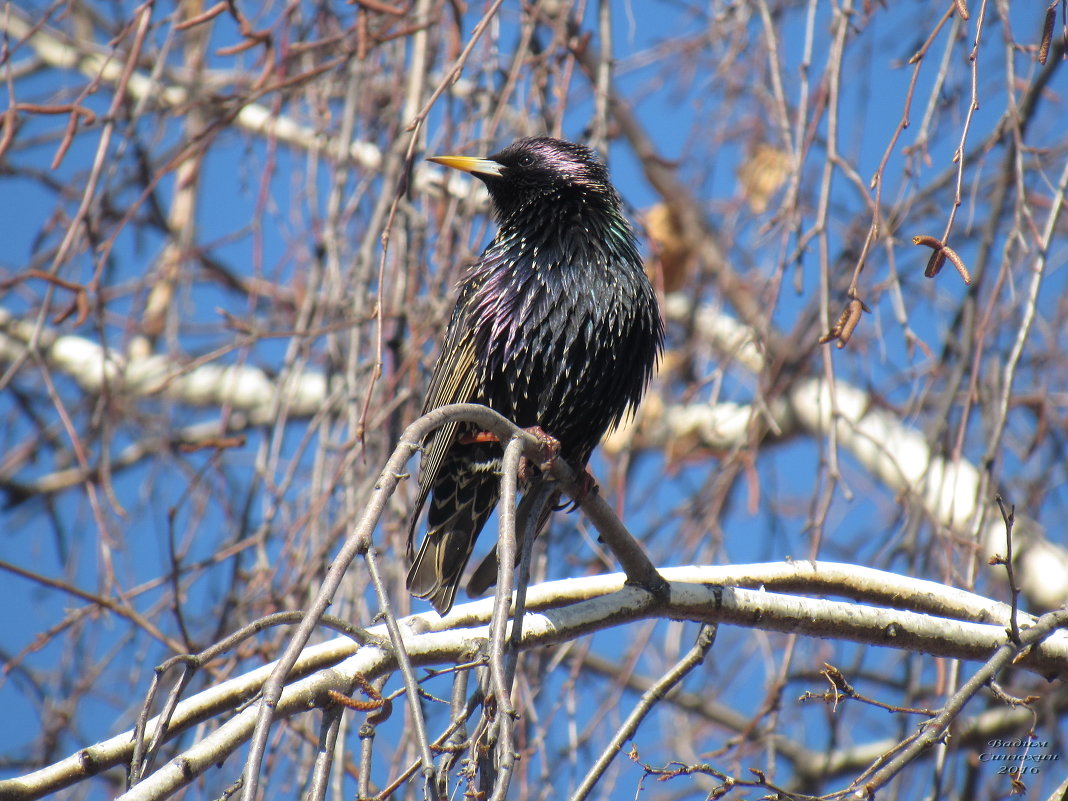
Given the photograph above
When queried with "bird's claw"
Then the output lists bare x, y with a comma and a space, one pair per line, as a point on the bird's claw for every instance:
587, 485
549, 447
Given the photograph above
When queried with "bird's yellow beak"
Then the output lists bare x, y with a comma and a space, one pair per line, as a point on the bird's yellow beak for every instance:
469, 164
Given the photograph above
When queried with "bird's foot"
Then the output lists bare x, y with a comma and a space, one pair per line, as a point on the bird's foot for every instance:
549, 449
587, 485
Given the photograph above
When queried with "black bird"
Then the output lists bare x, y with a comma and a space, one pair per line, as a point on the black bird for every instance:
555, 326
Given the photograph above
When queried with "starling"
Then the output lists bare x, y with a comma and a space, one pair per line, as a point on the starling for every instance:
555, 326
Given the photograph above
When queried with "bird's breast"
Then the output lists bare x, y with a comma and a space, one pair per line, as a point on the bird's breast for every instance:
549, 337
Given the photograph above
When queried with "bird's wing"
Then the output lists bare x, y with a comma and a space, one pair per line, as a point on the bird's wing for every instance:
454, 380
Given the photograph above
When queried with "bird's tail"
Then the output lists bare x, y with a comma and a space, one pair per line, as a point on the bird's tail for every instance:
461, 503
485, 575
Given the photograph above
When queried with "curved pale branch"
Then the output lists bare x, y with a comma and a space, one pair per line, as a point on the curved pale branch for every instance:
559, 612
898, 455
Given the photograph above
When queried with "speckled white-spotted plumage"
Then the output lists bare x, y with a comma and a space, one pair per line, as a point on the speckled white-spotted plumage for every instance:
555, 326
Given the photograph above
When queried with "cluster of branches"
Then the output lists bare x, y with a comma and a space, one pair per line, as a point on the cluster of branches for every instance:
216, 318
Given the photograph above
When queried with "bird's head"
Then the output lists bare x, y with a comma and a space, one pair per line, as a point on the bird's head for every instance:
538, 172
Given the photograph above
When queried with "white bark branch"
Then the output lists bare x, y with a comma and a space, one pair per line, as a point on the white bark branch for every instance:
94, 367
936, 619
896, 454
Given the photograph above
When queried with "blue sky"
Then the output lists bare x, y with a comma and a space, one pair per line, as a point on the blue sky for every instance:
59, 537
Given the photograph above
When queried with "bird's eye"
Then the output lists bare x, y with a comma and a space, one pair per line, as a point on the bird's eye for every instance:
526, 160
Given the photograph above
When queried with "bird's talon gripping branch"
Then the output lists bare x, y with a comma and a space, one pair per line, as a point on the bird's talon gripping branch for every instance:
550, 447
587, 485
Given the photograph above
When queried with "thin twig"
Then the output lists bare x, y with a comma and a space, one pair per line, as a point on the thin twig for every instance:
932, 731
533, 511
405, 663
324, 754
694, 657
356, 543
1009, 517
506, 561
